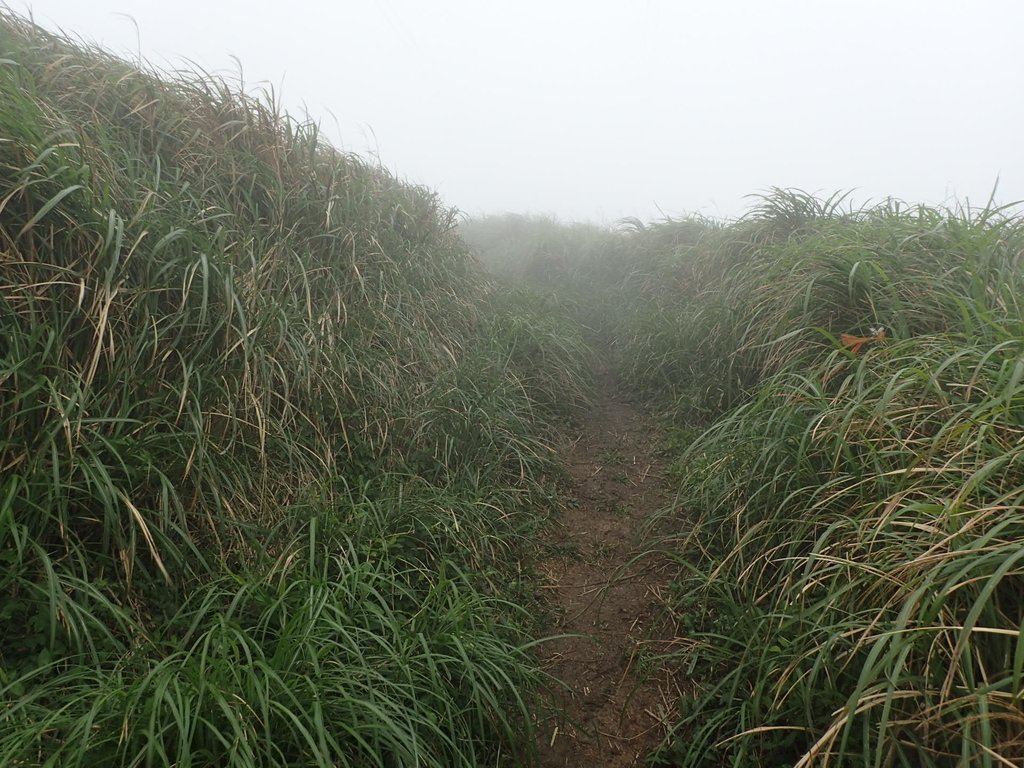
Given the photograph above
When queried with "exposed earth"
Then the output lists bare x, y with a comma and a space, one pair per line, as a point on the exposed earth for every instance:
605, 593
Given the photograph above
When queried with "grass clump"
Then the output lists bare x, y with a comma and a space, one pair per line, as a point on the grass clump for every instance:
269, 457
341, 653
869, 539
778, 288
855, 594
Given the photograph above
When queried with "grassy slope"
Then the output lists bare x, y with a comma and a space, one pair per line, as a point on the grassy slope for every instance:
861, 513
269, 448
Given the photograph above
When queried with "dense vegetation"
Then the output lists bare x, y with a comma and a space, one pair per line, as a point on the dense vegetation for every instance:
273, 449
853, 584
271, 446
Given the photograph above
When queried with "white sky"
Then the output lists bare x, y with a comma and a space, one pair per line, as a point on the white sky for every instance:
593, 109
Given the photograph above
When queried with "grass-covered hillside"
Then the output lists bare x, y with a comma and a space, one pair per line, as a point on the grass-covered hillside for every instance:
270, 444
853, 589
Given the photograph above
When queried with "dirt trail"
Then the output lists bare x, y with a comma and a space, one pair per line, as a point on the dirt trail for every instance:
617, 708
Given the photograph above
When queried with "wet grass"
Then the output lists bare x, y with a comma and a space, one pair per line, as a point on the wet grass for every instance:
273, 449
855, 598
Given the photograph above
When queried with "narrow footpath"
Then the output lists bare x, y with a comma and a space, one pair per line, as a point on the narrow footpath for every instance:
606, 595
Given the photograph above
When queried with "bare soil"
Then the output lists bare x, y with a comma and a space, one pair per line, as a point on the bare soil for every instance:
606, 594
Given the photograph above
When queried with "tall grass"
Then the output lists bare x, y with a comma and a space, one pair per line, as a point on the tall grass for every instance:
268, 455
781, 284
855, 571
864, 559
346, 651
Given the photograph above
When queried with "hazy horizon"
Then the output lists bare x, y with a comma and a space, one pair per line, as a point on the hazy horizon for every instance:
599, 111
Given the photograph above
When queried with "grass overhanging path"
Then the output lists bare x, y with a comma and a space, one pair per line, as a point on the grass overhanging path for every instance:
607, 596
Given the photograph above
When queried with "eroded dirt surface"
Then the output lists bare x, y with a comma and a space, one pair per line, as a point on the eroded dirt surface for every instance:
607, 593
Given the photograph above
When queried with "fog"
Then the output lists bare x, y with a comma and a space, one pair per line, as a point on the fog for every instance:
601, 110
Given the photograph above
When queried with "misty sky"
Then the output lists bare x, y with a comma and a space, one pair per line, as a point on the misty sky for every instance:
599, 110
